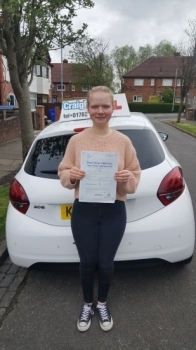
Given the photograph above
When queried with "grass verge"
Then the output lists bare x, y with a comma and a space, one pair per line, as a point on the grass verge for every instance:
191, 129
4, 199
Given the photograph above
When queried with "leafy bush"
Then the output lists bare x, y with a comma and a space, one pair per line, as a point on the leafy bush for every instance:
154, 99
168, 95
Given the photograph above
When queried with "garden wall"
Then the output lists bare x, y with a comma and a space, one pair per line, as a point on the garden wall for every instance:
9, 129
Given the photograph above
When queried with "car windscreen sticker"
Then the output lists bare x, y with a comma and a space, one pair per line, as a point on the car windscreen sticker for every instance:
77, 109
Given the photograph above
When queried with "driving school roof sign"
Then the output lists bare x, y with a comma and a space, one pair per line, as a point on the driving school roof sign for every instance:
77, 109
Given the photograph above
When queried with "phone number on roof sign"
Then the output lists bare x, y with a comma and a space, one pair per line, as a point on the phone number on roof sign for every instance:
76, 115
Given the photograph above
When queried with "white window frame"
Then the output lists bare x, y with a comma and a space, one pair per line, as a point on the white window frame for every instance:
177, 99
85, 88
59, 87
33, 101
178, 82
44, 72
138, 82
73, 87
167, 82
152, 82
38, 70
137, 98
12, 96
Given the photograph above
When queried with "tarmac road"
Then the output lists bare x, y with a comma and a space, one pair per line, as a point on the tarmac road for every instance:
153, 308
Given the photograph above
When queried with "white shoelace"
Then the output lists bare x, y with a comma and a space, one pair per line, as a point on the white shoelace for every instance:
85, 313
104, 312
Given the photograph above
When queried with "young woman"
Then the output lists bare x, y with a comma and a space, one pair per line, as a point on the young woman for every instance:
99, 227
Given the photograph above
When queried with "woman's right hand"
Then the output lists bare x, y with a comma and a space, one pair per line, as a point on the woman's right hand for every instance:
76, 174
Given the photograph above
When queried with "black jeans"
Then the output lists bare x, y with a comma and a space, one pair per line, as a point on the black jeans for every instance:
97, 230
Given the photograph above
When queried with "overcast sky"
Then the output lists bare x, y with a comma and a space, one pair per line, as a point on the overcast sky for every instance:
135, 22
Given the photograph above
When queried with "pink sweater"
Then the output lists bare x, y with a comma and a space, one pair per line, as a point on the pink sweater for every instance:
115, 142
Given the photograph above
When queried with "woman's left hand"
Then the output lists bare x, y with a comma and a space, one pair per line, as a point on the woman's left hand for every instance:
122, 176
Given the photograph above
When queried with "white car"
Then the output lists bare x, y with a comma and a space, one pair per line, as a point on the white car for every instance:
160, 219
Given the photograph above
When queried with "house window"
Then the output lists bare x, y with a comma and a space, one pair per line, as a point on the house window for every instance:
152, 82
11, 100
167, 82
177, 99
42, 99
85, 88
137, 98
33, 101
73, 88
42, 71
38, 70
138, 82
178, 83
60, 87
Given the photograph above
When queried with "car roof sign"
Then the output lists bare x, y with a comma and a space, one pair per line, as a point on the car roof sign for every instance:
77, 109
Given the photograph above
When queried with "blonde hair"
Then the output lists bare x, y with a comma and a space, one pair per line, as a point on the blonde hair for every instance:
100, 89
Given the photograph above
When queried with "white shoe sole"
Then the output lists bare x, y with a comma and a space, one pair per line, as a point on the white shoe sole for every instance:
107, 328
83, 328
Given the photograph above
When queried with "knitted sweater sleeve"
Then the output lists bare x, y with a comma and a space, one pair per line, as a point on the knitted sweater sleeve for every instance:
131, 164
66, 164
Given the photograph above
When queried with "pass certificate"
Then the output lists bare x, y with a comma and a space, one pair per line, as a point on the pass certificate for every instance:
98, 184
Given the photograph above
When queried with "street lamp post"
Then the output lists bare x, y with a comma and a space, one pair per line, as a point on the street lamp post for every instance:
61, 67
175, 83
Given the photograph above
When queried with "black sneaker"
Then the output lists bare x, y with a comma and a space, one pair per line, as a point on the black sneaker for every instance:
105, 319
84, 320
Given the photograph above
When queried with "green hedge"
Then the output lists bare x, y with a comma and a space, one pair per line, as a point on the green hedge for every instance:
153, 107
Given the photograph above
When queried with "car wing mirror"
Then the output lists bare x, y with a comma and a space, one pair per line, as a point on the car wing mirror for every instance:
163, 135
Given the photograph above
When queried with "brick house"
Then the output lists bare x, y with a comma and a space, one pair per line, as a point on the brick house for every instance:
40, 92
65, 87
151, 77
40, 87
6, 91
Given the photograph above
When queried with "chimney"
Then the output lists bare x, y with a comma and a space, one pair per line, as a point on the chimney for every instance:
176, 54
65, 60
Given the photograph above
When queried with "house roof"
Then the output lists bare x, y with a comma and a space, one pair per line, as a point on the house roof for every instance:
56, 72
164, 67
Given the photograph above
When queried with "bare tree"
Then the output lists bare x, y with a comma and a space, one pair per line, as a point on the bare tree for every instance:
92, 64
186, 73
186, 67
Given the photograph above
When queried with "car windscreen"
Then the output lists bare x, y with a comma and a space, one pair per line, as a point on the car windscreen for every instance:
147, 146
47, 153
